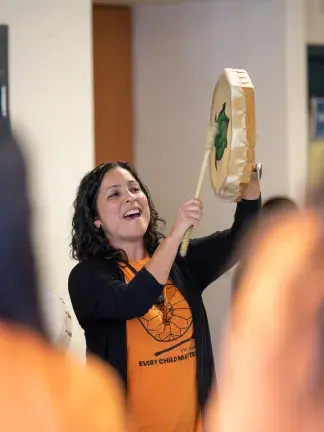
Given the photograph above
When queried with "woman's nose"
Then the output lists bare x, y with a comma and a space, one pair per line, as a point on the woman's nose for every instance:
129, 197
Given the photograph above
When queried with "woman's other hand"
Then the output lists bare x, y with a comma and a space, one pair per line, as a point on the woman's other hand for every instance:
253, 191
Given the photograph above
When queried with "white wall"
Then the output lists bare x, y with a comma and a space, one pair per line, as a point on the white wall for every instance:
296, 88
51, 103
179, 53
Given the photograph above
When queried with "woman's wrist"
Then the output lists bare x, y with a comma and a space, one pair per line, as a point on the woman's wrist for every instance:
174, 239
161, 262
171, 242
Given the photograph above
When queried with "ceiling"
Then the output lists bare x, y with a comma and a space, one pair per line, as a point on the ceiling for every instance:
141, 2
156, 2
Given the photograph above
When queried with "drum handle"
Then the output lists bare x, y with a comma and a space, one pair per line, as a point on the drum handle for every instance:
211, 133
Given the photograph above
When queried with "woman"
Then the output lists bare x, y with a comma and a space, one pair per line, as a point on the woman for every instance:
41, 389
140, 303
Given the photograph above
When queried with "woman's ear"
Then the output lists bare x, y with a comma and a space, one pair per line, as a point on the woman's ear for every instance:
97, 223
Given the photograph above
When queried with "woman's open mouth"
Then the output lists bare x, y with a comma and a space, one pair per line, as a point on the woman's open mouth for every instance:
134, 213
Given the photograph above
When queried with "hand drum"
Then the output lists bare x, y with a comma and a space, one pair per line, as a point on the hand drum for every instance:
232, 158
230, 139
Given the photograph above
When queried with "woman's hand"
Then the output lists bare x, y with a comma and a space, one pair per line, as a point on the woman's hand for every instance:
253, 190
188, 214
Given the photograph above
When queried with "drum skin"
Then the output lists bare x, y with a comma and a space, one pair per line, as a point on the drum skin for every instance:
232, 156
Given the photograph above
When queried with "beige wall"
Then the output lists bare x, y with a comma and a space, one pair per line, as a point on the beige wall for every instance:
315, 21
51, 103
179, 53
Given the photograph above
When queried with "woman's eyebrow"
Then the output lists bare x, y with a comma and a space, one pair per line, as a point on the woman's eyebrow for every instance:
113, 186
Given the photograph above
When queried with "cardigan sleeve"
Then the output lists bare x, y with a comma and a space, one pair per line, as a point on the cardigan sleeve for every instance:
96, 294
211, 256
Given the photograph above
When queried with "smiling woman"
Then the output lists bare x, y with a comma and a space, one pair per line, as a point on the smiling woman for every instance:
104, 197
140, 303
122, 219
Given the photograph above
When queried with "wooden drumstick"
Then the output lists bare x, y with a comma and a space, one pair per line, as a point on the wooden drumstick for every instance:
212, 131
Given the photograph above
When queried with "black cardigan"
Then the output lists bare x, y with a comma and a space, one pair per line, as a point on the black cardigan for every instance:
102, 301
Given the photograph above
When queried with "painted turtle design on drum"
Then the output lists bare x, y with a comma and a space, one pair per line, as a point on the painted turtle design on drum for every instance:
221, 136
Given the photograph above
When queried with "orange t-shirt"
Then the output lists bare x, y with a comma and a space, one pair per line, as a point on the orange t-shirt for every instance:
162, 387
44, 390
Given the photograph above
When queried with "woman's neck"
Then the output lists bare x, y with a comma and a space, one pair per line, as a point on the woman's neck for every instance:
135, 251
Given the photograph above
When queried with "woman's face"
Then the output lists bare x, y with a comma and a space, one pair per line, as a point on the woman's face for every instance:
122, 206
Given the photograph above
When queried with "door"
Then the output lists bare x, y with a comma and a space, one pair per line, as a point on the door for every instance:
112, 62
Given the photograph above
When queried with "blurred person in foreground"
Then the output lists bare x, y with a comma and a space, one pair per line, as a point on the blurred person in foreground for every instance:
41, 389
275, 206
272, 375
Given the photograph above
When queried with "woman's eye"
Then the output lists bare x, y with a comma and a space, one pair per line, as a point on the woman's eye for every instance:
113, 195
136, 189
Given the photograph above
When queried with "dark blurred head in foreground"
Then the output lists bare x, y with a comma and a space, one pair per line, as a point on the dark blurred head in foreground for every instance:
278, 203
271, 374
18, 286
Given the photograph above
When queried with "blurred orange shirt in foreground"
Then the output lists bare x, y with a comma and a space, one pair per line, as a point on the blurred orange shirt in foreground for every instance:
44, 390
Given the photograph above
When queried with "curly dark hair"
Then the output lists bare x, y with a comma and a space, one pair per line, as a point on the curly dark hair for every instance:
90, 242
